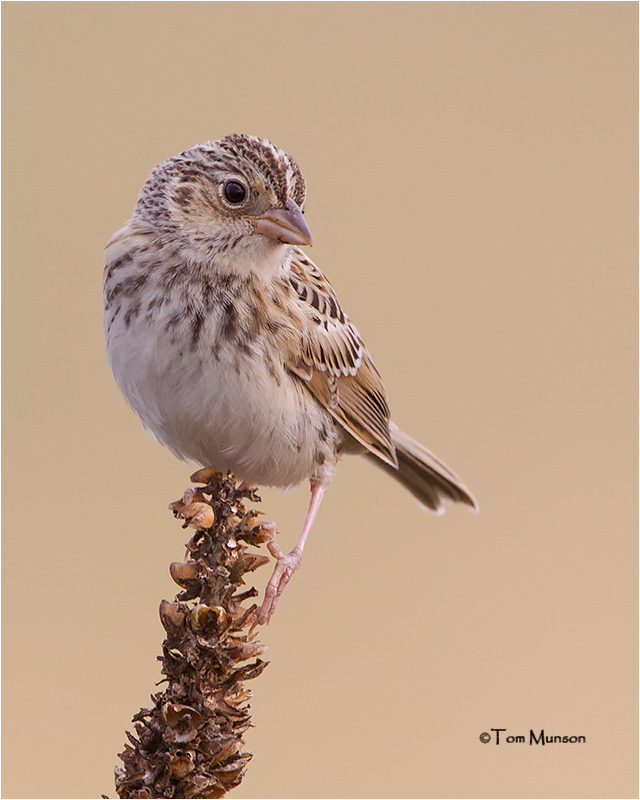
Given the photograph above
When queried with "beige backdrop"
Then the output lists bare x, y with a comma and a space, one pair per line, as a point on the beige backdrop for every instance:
472, 194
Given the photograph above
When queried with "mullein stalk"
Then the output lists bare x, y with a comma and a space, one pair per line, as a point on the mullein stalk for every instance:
189, 743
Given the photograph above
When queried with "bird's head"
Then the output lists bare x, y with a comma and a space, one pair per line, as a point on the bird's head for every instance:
235, 204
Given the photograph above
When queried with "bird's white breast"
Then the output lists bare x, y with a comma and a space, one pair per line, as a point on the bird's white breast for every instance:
205, 389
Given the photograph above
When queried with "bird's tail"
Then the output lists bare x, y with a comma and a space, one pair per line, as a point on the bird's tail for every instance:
430, 481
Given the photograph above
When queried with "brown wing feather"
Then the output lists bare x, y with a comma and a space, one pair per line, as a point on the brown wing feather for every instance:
336, 365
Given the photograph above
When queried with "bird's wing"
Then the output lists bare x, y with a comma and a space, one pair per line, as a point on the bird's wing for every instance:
335, 364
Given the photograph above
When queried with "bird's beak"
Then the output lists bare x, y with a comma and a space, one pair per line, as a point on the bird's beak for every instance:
285, 225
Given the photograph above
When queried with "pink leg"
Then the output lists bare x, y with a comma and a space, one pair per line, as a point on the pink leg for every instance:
289, 563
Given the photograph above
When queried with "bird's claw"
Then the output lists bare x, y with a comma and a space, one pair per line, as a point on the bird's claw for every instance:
272, 544
286, 566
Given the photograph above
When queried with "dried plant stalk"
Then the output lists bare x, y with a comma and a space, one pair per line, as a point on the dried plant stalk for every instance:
189, 743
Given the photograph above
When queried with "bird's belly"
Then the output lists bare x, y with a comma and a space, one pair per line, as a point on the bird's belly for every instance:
235, 410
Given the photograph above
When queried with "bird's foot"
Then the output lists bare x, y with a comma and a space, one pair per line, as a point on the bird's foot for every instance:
287, 564
271, 530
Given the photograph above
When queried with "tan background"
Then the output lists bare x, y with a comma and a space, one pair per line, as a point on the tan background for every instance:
472, 194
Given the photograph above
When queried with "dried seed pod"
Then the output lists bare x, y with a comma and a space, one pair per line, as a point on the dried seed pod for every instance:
263, 531
197, 515
204, 475
247, 563
242, 650
203, 619
208, 618
228, 774
183, 723
184, 573
181, 764
201, 786
171, 616
238, 698
221, 615
189, 742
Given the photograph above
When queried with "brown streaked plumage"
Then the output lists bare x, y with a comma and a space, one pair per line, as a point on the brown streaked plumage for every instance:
335, 365
231, 345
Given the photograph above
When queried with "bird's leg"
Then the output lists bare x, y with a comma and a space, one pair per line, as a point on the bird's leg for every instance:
288, 563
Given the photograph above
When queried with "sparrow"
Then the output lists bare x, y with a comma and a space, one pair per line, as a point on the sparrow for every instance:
231, 346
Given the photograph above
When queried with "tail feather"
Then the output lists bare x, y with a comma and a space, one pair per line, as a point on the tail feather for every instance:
430, 481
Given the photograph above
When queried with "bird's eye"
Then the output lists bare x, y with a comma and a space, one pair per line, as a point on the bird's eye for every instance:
235, 192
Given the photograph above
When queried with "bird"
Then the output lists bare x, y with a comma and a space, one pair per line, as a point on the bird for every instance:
230, 343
